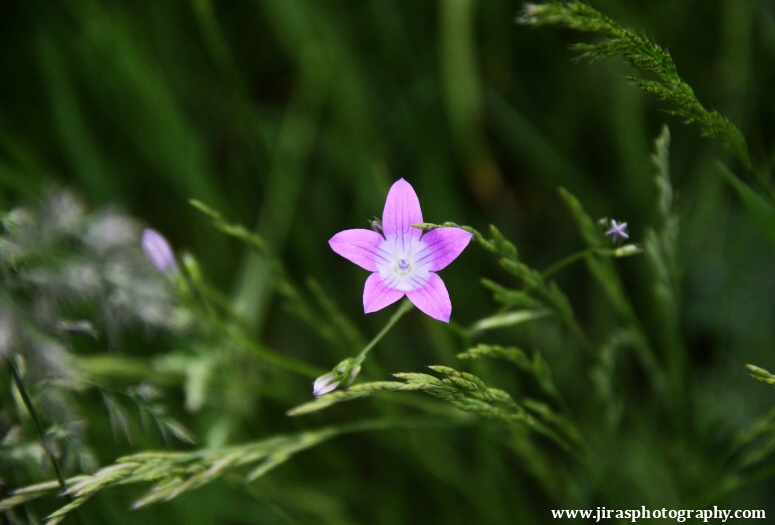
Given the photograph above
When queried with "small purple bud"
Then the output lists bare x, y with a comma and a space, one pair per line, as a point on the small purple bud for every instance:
324, 384
6, 331
618, 232
159, 252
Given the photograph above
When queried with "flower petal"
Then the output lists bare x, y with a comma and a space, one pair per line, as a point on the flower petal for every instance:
377, 294
431, 297
442, 246
359, 246
402, 209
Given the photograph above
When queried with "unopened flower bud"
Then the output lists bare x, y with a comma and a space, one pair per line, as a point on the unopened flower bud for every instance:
158, 250
324, 384
192, 267
5, 332
627, 250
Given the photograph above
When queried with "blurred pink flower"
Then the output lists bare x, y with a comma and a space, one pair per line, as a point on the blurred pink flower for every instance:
159, 252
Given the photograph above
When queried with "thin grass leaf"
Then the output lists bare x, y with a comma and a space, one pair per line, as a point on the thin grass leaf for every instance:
178, 430
555, 420
270, 463
507, 319
756, 443
237, 231
761, 209
158, 493
62, 513
16, 499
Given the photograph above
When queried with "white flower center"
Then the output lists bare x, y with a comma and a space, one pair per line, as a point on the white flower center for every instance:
406, 265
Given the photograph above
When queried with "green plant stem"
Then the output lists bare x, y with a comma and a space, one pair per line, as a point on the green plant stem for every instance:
559, 265
291, 365
405, 307
17, 381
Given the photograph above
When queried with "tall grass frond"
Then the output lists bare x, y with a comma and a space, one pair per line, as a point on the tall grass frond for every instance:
175, 473
467, 393
660, 243
534, 283
644, 55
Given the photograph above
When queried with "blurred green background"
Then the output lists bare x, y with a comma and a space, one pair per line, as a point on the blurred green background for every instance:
295, 117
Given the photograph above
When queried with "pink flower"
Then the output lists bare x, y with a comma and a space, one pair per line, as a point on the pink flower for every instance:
404, 261
159, 252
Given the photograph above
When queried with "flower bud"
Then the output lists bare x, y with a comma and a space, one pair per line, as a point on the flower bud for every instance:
627, 250
191, 265
6, 331
159, 252
324, 384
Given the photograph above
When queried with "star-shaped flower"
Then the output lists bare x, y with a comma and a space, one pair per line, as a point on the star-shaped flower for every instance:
618, 232
404, 261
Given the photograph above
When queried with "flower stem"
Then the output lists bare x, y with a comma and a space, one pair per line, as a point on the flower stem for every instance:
17, 380
405, 307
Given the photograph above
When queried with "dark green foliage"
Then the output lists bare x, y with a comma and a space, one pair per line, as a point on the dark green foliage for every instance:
643, 55
249, 133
